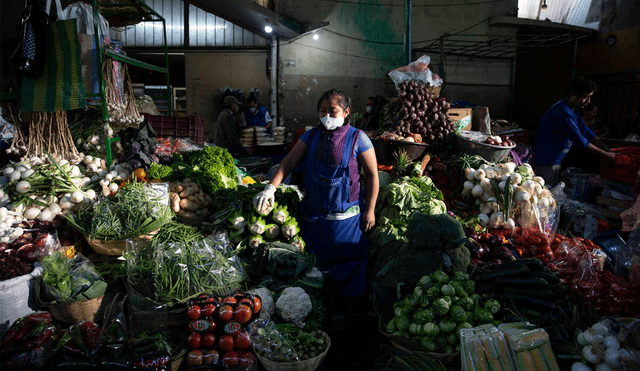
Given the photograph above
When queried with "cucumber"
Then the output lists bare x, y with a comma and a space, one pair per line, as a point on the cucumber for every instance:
533, 264
517, 270
561, 301
558, 289
540, 293
538, 303
551, 278
488, 287
523, 311
524, 283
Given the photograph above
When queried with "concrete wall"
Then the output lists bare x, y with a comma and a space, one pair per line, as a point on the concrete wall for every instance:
208, 73
364, 41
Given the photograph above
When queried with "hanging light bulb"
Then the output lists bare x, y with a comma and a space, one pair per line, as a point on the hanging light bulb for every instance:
544, 4
268, 28
316, 36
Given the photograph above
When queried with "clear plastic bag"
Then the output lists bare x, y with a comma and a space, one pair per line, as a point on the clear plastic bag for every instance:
270, 343
417, 70
113, 339
484, 347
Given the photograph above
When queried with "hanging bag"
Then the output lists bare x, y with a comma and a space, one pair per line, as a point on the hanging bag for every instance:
30, 56
60, 88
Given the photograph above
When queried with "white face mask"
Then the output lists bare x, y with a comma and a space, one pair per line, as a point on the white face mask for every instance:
252, 110
368, 109
331, 123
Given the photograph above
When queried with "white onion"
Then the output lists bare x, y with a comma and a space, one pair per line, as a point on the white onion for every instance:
46, 215
589, 355
484, 219
477, 190
469, 173
22, 186
32, 213
479, 174
15, 176
579, 366
55, 208
8, 171
467, 185
612, 358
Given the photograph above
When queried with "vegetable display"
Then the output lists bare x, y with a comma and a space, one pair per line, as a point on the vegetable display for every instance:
417, 115
608, 345
179, 263
212, 168
188, 201
438, 309
136, 209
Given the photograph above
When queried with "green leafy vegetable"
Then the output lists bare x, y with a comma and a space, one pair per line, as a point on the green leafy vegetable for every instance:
157, 171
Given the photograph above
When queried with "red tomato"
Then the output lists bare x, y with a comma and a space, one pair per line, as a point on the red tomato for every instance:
194, 341
195, 358
208, 340
230, 359
211, 356
230, 299
247, 301
211, 299
257, 304
213, 327
226, 312
245, 359
194, 312
242, 313
209, 310
243, 340
226, 342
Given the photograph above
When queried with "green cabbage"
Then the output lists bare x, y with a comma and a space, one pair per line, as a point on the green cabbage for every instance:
457, 314
448, 290
441, 307
446, 326
440, 277
428, 344
431, 329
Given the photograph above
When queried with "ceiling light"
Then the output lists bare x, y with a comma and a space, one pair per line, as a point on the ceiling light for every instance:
544, 4
268, 28
316, 36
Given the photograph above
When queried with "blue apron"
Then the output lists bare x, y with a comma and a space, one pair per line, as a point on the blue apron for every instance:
336, 238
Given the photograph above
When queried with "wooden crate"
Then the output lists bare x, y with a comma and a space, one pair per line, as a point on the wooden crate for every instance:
605, 202
456, 114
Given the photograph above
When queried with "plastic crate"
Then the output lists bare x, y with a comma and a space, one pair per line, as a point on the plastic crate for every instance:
611, 243
628, 161
191, 127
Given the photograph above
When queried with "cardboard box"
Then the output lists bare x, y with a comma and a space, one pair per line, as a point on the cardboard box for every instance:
457, 114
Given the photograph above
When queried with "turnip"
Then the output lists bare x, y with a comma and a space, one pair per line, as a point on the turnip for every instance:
77, 197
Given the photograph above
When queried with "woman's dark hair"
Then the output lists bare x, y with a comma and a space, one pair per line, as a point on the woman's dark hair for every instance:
344, 102
580, 86
252, 98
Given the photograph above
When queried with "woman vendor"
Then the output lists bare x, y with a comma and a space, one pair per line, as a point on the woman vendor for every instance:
336, 213
256, 115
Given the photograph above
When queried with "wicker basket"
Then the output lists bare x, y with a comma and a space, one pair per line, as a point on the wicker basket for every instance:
113, 247
445, 359
86, 310
308, 365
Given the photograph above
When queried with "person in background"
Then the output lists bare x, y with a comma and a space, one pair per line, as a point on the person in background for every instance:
225, 131
256, 115
335, 211
590, 117
561, 126
632, 126
360, 120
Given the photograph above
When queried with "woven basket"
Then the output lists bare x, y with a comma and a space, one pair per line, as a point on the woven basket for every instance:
113, 247
308, 365
445, 359
86, 310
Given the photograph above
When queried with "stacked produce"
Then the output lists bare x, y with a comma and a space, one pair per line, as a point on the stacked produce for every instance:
283, 343
609, 345
417, 115
507, 195
485, 348
438, 309
250, 227
26, 340
178, 263
219, 332
188, 201
135, 210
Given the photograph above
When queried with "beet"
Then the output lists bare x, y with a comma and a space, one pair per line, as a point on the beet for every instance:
28, 253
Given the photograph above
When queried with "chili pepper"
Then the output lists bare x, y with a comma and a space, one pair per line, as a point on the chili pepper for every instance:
72, 350
18, 361
10, 337
35, 331
88, 326
42, 337
41, 316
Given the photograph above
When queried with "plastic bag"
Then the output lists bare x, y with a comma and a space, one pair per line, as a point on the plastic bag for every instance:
270, 343
149, 323
28, 341
113, 340
416, 70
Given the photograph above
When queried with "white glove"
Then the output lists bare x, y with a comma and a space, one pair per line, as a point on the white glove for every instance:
265, 198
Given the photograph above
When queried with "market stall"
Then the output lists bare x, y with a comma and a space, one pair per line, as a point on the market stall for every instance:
152, 255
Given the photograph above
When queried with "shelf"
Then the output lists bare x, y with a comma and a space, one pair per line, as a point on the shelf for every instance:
134, 62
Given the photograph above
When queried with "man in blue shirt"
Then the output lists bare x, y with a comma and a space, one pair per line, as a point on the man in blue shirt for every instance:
256, 115
562, 126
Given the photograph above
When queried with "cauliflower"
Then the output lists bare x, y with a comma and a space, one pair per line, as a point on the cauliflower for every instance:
294, 304
268, 305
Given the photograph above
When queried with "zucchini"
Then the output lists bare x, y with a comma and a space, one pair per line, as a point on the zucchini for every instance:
533, 264
540, 293
551, 278
538, 303
525, 283
517, 270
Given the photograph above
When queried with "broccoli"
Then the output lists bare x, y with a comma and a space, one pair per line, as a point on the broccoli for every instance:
460, 259
435, 231
157, 171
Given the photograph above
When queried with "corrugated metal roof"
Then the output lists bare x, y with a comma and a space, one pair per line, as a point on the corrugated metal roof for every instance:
205, 29
571, 12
